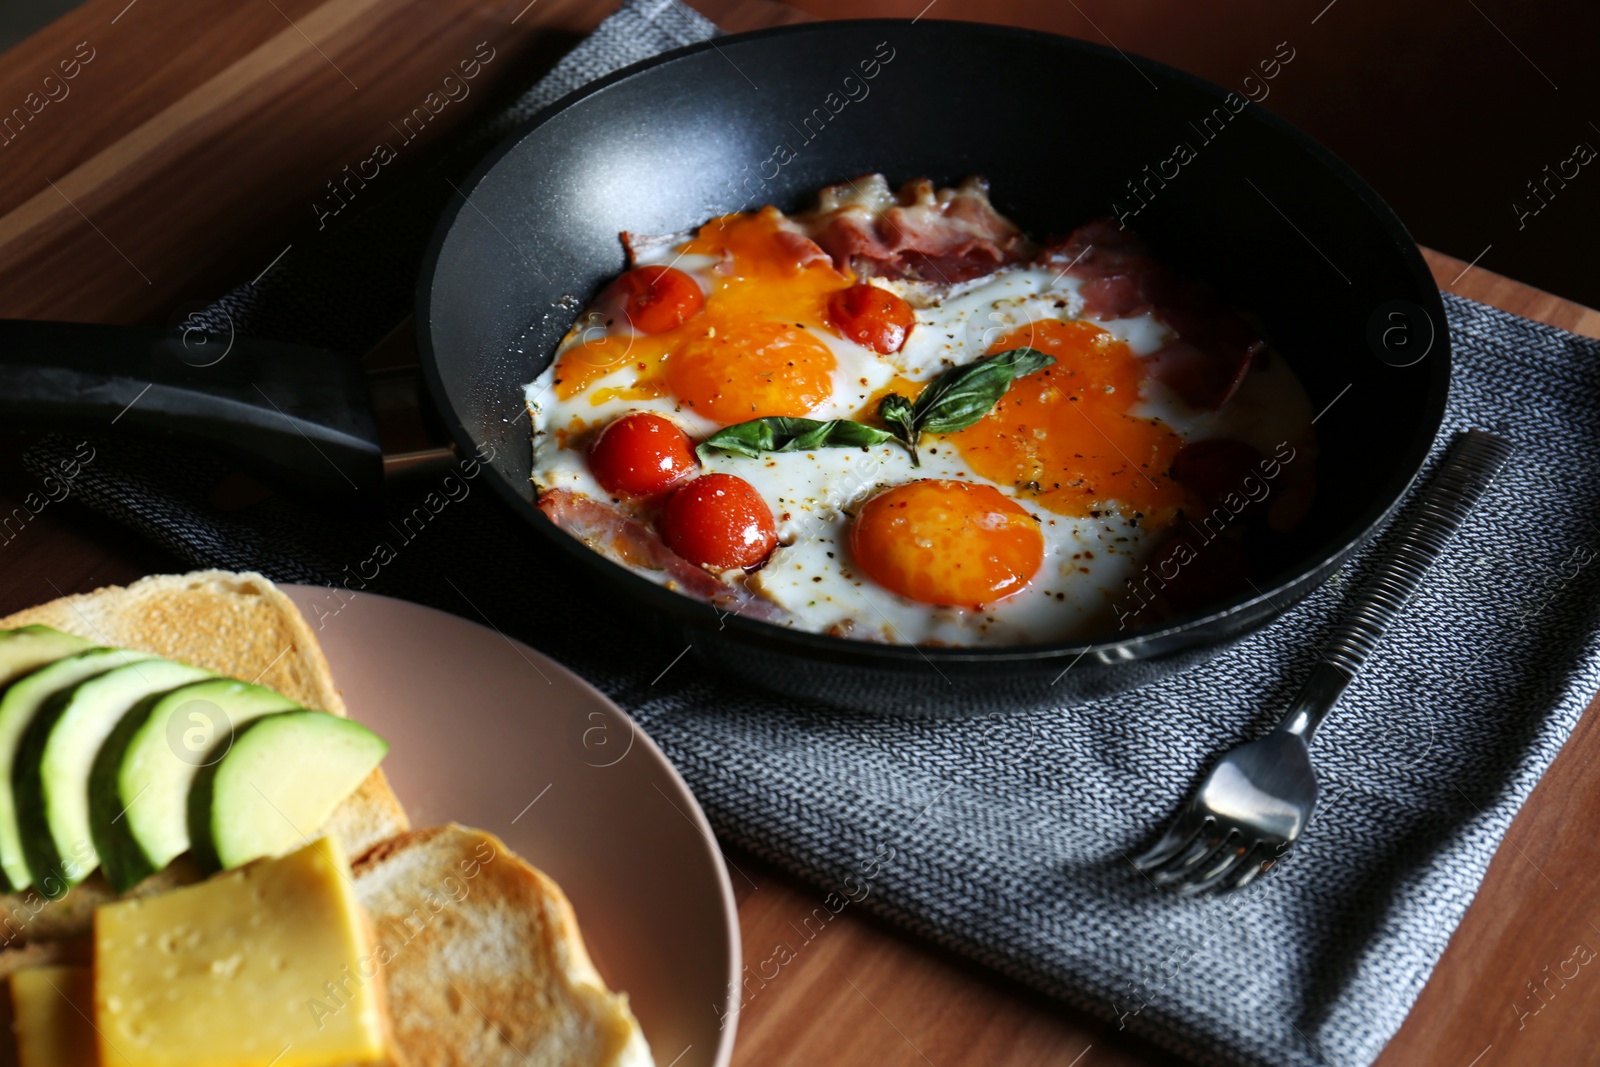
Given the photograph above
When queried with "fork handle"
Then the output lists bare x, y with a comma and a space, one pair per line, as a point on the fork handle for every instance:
1469, 466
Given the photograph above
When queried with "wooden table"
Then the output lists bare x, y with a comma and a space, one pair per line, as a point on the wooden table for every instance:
185, 154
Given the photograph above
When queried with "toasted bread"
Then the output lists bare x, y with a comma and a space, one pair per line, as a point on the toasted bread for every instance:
483, 959
44, 954
239, 625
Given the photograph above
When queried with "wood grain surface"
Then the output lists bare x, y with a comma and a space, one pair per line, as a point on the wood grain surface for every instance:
191, 149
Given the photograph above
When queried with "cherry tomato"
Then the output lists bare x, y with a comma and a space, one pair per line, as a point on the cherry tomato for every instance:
656, 299
871, 316
719, 521
641, 455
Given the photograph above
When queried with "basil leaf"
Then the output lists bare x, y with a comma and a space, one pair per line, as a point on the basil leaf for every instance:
780, 433
896, 411
953, 401
963, 395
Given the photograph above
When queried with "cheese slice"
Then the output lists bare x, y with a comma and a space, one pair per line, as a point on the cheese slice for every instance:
51, 1008
271, 964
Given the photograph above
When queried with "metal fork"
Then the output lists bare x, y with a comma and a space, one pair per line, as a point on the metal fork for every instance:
1259, 798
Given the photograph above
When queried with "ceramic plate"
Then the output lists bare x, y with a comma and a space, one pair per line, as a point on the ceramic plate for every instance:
487, 732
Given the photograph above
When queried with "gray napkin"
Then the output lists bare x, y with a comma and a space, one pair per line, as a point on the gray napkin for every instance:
1004, 839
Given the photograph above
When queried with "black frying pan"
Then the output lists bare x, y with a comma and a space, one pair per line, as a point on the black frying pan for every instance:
1264, 214
1062, 129
298, 417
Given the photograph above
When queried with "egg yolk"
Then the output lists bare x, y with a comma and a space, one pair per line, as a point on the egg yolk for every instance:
754, 349
946, 542
751, 370
1066, 436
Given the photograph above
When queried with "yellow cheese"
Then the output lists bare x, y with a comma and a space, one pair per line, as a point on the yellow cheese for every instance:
271, 964
52, 1007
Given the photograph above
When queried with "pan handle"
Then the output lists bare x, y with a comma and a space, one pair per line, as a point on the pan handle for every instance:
297, 417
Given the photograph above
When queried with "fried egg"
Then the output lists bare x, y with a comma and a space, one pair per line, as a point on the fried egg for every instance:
1030, 525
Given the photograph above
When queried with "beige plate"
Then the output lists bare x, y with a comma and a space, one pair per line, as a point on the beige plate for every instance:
487, 732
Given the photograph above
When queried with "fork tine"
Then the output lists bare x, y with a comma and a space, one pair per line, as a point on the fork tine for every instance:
1261, 865
1222, 854
1234, 846
1189, 822
1243, 854
1197, 856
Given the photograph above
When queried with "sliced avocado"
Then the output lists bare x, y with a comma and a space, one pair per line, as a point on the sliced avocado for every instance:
51, 774
19, 706
139, 787
26, 649
279, 782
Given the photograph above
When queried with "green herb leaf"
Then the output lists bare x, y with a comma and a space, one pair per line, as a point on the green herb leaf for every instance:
897, 412
962, 395
953, 401
778, 433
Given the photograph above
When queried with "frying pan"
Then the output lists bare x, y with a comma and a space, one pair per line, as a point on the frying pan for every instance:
297, 416
1066, 131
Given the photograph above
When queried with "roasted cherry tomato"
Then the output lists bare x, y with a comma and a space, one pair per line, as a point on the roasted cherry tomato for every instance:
641, 455
719, 521
656, 299
871, 316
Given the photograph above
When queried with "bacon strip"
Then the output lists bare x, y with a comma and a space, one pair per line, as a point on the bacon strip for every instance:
624, 539
642, 244
1121, 279
920, 234
805, 251
1206, 379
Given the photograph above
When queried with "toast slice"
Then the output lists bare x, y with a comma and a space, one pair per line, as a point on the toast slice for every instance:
483, 959
239, 625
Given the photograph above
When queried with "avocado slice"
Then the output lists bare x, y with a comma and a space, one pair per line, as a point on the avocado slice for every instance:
139, 786
51, 774
19, 706
27, 648
279, 782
